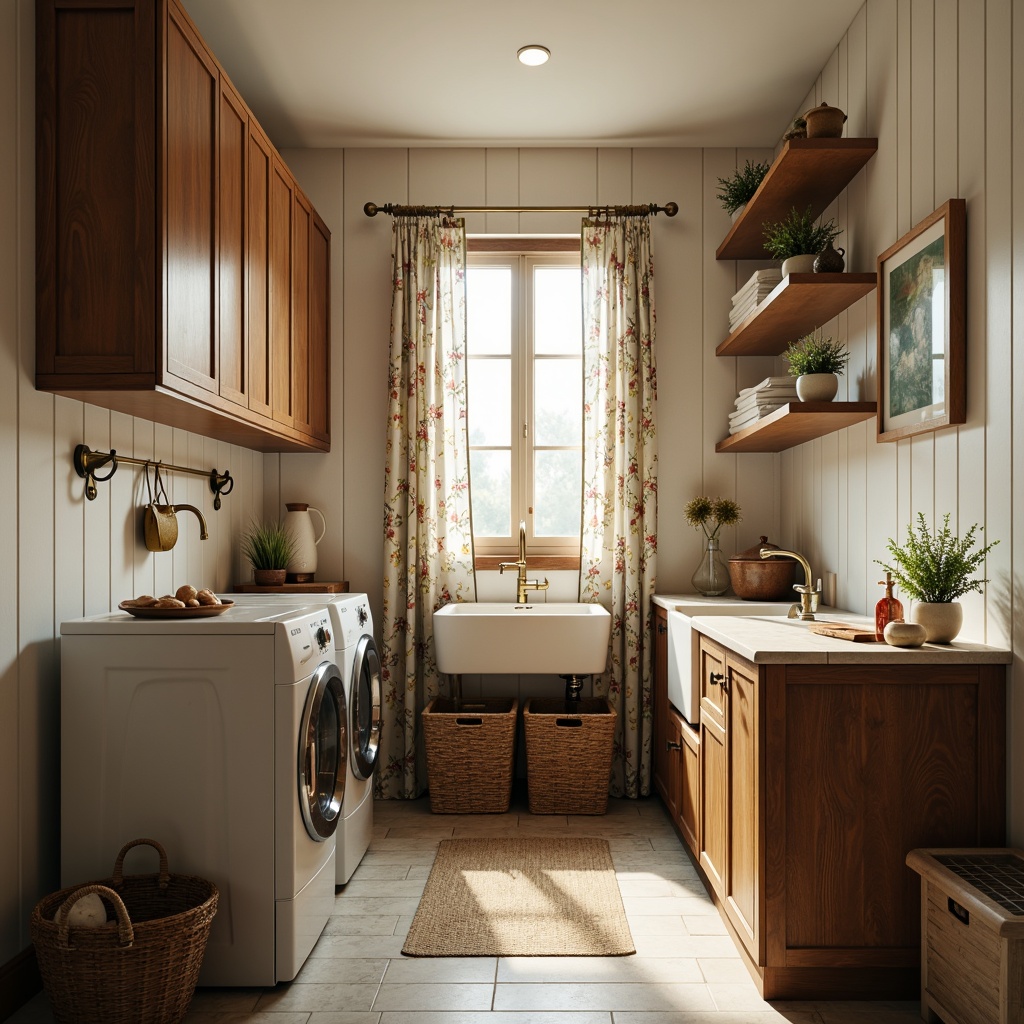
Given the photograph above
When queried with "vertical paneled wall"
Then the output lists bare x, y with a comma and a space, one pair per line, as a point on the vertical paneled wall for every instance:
933, 80
63, 556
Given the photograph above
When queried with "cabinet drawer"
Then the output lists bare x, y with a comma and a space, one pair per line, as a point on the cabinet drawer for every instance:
712, 680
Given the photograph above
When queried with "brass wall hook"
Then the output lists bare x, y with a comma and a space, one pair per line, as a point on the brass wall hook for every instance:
86, 464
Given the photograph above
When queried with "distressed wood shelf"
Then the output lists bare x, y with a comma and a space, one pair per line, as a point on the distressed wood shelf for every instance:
807, 172
797, 305
796, 423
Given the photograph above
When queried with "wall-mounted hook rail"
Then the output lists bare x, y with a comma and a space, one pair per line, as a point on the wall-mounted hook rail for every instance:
87, 462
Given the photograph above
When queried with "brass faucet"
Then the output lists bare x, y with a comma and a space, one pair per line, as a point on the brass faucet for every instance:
808, 592
522, 583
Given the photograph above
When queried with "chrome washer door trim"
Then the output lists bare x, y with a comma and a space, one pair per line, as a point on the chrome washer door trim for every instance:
322, 744
366, 707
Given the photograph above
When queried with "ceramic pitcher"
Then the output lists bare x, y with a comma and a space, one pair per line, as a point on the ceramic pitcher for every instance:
299, 525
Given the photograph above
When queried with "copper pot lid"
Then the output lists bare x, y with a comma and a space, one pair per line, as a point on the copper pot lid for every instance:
754, 554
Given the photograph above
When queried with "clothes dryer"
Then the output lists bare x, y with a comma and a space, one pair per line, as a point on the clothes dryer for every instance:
226, 740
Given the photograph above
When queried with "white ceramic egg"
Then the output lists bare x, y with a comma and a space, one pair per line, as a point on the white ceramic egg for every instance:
904, 634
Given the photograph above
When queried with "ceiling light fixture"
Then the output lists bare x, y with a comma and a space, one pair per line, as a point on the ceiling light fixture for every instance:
533, 55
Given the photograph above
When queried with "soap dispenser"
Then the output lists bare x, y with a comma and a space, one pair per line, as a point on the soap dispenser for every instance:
888, 608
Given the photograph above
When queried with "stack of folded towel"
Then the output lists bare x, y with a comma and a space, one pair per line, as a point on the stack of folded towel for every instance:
746, 300
753, 403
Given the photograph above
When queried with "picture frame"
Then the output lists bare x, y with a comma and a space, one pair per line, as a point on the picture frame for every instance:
922, 288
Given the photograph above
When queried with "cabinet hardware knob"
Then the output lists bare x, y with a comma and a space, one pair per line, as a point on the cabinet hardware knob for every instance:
669, 745
662, 628
717, 678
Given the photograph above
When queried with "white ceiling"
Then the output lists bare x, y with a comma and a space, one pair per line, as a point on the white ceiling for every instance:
330, 73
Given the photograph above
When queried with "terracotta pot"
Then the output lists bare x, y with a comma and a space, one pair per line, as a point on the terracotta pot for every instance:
761, 579
942, 621
824, 122
269, 577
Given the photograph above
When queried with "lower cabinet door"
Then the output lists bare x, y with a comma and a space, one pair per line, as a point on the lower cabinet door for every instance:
714, 807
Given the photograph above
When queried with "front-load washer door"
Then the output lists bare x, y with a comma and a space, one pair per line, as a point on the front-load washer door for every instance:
323, 740
366, 703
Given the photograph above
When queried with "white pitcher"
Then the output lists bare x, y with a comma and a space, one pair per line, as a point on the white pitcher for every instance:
299, 526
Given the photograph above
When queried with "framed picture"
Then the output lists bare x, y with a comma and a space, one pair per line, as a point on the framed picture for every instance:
922, 285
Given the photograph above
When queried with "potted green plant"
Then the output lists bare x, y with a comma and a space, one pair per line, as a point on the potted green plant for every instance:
711, 576
737, 190
798, 236
817, 363
934, 570
268, 547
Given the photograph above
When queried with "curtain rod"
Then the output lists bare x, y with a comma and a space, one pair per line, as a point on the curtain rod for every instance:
372, 209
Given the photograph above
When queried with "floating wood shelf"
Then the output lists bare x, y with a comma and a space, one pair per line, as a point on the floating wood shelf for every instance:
796, 423
797, 305
807, 172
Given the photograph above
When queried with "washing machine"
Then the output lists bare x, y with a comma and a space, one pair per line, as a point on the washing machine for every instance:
356, 656
225, 739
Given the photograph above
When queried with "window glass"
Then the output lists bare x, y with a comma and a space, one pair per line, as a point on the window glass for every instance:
490, 478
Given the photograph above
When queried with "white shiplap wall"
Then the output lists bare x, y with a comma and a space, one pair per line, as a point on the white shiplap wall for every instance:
63, 556
934, 81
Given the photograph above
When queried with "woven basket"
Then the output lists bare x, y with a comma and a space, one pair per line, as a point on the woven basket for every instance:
470, 755
568, 755
141, 968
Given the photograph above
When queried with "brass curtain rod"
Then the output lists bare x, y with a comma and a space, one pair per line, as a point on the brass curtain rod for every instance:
395, 210
87, 462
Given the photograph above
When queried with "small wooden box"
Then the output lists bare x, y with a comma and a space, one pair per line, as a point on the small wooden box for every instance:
972, 935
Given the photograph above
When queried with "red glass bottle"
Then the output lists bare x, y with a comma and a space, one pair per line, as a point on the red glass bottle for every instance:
888, 608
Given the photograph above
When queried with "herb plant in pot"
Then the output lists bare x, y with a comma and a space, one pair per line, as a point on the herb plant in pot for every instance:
268, 547
797, 240
817, 363
711, 577
934, 570
736, 191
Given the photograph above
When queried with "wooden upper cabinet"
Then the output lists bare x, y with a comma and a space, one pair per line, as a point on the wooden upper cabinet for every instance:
232, 195
190, 206
175, 265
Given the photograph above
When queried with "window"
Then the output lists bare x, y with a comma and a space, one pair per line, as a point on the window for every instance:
525, 381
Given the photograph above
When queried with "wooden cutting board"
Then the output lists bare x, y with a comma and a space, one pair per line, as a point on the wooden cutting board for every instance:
841, 631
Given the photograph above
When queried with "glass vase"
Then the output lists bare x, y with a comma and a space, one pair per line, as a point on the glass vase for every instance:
711, 577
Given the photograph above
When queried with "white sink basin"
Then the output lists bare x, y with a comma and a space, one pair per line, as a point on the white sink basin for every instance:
492, 637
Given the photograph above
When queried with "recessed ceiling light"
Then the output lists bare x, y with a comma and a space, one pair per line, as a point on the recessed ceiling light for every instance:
533, 54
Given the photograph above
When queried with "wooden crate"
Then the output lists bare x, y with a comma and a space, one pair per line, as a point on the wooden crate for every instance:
972, 935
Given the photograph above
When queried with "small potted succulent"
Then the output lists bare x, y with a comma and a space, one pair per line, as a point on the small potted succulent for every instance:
268, 547
817, 363
711, 577
736, 191
934, 570
797, 240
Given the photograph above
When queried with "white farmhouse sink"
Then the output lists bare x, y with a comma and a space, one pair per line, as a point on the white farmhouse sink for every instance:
490, 637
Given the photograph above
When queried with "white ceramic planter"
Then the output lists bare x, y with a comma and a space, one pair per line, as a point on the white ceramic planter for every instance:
817, 387
803, 264
942, 622
737, 213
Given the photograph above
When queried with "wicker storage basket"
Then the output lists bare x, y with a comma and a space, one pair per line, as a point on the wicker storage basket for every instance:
568, 755
141, 968
470, 755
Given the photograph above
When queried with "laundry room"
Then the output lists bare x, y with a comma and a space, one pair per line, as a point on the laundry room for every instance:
231, 232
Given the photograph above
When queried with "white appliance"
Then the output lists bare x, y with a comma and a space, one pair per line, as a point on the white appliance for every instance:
355, 653
222, 738
683, 663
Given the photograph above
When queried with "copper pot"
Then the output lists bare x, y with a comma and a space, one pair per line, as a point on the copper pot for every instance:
761, 579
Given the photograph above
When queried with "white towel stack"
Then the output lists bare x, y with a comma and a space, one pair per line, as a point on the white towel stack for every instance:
747, 299
753, 403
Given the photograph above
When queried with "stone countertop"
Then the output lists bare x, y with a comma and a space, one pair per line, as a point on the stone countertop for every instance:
774, 639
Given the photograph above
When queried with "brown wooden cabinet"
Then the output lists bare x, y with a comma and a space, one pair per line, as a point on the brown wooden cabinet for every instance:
817, 780
175, 252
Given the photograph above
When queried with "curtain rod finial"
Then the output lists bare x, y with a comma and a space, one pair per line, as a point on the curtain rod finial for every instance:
370, 209
671, 209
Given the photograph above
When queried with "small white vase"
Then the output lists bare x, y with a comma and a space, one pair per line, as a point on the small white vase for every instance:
817, 387
802, 264
299, 526
737, 213
942, 621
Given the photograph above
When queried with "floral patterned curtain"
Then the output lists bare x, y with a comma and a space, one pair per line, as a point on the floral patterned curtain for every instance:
620, 475
428, 541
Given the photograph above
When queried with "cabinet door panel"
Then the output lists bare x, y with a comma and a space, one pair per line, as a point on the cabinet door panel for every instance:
233, 136
259, 165
280, 251
714, 811
689, 797
190, 232
302, 213
320, 330
744, 820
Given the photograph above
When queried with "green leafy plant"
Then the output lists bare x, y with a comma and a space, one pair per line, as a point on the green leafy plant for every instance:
267, 545
738, 189
815, 354
936, 568
702, 512
798, 235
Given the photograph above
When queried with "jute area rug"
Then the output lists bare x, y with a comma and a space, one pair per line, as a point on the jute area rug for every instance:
521, 897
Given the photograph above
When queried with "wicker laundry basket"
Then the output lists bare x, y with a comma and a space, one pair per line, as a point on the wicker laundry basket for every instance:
470, 754
569, 747
142, 967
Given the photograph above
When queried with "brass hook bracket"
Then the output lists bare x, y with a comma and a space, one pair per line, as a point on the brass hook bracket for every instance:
87, 462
